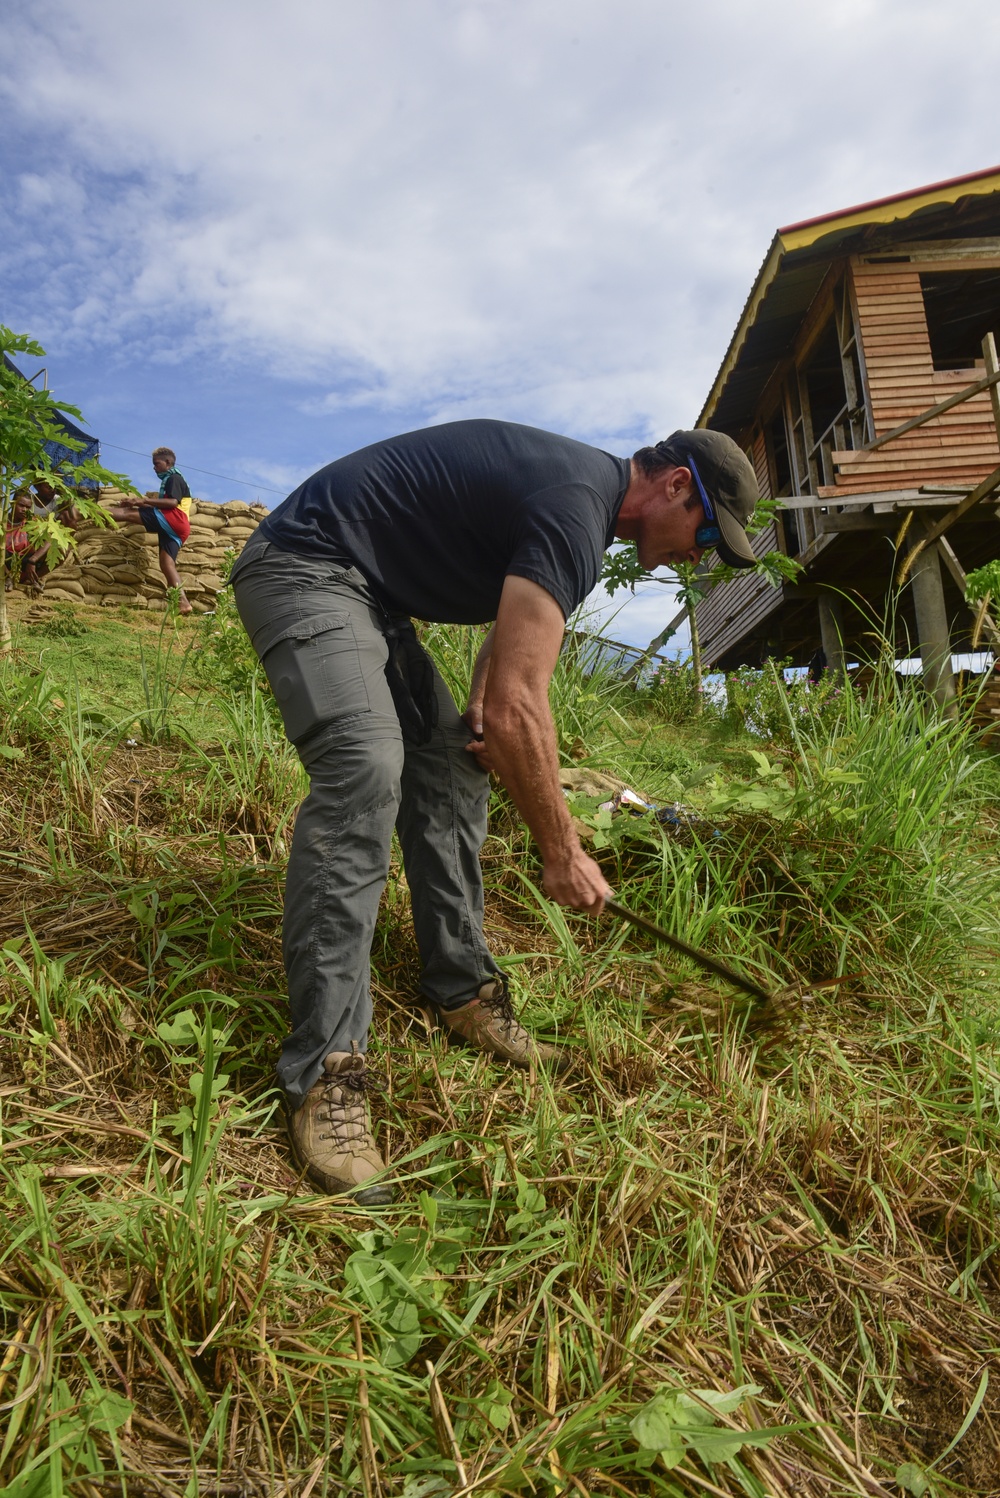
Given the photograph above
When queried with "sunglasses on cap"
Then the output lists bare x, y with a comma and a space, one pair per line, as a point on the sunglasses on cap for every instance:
708, 534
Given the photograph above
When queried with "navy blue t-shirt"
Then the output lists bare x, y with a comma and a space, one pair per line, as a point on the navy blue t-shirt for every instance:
436, 519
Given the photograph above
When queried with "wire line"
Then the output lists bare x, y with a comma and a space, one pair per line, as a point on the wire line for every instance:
207, 471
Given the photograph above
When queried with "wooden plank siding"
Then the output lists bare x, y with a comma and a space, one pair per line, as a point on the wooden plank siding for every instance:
732, 611
957, 448
758, 457
858, 300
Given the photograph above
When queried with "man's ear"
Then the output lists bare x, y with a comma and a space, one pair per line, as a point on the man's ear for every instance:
679, 483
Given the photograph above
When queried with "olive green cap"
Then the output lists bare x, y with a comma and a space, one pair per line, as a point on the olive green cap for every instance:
730, 481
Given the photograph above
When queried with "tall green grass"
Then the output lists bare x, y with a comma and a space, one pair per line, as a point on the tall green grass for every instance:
733, 1252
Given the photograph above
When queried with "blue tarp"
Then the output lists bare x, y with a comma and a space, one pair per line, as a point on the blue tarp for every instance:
57, 451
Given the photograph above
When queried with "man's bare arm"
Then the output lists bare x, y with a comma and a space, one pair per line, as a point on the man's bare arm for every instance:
521, 740
473, 714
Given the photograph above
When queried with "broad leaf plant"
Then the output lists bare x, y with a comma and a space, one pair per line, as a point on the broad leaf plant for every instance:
29, 418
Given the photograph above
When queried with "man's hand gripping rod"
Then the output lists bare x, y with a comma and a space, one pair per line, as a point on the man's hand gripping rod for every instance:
702, 959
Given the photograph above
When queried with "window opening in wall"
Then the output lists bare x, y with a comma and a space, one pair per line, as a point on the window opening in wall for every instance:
799, 436
858, 425
832, 411
780, 459
779, 463
824, 382
962, 307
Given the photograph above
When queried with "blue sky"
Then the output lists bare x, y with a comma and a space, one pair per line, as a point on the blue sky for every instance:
268, 235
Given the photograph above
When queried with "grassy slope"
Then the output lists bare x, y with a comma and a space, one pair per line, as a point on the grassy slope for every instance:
801, 1201
113, 658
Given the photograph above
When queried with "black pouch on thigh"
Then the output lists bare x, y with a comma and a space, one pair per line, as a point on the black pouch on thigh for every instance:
411, 681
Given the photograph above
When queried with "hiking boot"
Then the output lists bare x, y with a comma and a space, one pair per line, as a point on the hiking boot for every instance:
488, 1023
330, 1135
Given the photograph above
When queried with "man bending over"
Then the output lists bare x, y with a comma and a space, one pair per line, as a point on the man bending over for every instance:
465, 523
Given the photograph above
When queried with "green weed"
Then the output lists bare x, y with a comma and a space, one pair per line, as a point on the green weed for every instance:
749, 1252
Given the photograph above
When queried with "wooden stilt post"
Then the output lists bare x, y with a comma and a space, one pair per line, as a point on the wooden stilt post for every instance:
831, 631
932, 629
992, 367
987, 626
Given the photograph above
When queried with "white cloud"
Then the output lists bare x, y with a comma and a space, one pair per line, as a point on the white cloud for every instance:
54, 190
636, 618
549, 211
279, 478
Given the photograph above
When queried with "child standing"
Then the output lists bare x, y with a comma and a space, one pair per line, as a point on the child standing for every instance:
167, 518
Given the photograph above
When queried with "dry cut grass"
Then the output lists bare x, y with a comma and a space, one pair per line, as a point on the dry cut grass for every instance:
797, 1206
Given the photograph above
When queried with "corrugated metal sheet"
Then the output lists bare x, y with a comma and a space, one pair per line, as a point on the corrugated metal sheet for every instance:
733, 609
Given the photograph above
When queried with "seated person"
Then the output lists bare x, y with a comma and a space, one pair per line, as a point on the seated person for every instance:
166, 518
52, 501
25, 563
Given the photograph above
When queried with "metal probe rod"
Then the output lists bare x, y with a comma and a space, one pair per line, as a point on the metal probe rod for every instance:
702, 959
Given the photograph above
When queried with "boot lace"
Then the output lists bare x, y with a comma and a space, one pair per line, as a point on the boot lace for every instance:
344, 1094
499, 1004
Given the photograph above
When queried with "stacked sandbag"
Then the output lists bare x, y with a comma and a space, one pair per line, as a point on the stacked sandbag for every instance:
108, 564
215, 530
119, 564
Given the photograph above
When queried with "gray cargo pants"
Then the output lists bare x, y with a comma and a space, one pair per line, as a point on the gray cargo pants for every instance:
318, 632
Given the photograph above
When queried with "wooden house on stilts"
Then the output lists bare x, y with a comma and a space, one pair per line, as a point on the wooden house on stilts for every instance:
858, 322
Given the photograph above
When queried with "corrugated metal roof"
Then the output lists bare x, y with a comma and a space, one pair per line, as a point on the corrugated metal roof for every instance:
947, 191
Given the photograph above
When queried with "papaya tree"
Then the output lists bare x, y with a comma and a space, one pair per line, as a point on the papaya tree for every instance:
692, 583
29, 419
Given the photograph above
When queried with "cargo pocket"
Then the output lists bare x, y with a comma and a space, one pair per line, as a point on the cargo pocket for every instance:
316, 675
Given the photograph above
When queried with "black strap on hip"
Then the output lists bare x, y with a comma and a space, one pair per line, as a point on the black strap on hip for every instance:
411, 680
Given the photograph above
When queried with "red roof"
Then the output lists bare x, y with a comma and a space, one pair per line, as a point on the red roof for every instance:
896, 197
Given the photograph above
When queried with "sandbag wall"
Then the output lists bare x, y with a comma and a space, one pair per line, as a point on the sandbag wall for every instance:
119, 564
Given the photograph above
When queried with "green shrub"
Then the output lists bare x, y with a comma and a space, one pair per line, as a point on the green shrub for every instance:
766, 704
226, 659
675, 693
62, 624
